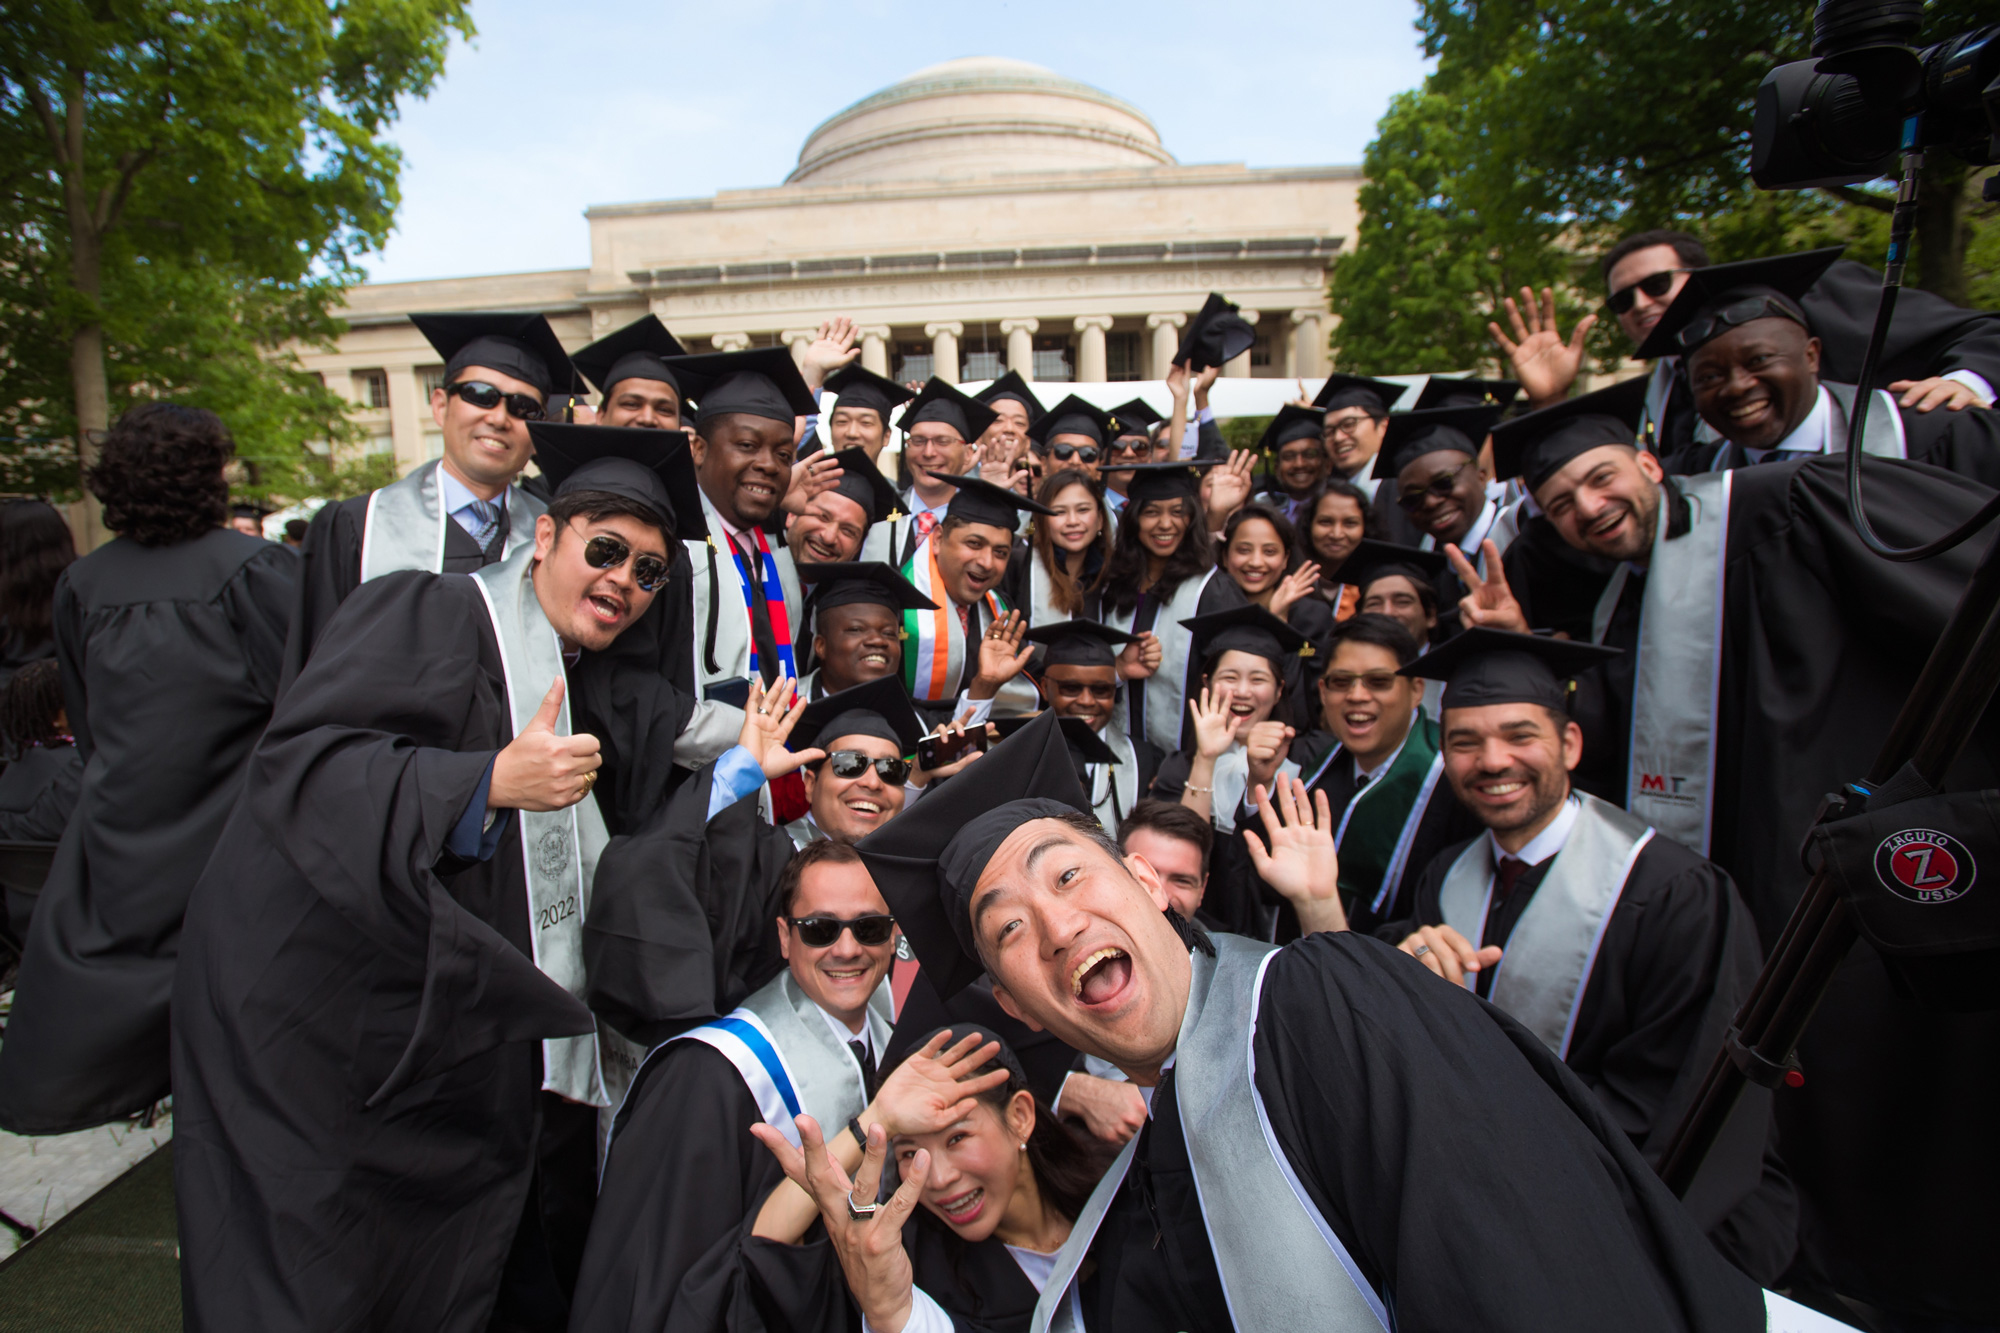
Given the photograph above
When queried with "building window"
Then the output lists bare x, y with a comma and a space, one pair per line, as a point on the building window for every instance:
371, 388
432, 378
913, 362
381, 444
1121, 357
1052, 359
983, 366
1260, 352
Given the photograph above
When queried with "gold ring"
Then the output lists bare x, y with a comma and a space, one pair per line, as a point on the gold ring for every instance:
589, 781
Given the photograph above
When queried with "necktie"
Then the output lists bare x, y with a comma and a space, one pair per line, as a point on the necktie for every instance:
761, 635
486, 521
1507, 876
867, 1063
925, 522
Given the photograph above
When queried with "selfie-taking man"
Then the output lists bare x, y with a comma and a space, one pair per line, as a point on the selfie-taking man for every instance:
1357, 415
1269, 1188
462, 512
636, 383
855, 616
937, 427
1624, 952
419, 802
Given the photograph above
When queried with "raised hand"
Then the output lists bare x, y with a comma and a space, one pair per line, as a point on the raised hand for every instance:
1489, 603
812, 476
1299, 583
1202, 381
1140, 658
1267, 743
1214, 724
1177, 382
1229, 487
833, 349
1449, 954
1296, 856
1545, 364
936, 1086
1002, 656
768, 719
540, 770
870, 1247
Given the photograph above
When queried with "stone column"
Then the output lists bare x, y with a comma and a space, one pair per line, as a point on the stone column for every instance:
1021, 345
1166, 340
1090, 363
798, 340
1238, 367
1308, 342
874, 347
408, 411
730, 342
944, 336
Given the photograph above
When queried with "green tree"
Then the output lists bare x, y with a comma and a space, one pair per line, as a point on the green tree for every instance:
188, 187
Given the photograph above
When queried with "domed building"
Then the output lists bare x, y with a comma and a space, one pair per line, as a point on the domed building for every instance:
980, 215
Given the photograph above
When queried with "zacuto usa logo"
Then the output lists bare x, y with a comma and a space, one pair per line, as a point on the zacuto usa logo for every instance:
1925, 866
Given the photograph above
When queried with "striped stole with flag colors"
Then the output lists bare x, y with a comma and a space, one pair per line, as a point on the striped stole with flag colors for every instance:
774, 605
934, 650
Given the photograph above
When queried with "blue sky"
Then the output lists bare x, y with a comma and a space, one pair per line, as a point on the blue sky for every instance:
554, 107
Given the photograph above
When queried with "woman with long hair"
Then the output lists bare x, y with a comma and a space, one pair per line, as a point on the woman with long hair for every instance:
1057, 573
1163, 572
1334, 525
988, 1202
1261, 554
35, 548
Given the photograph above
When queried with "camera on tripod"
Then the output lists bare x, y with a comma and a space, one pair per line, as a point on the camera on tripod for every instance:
1838, 119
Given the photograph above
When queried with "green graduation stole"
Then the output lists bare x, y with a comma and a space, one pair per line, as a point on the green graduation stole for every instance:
1375, 849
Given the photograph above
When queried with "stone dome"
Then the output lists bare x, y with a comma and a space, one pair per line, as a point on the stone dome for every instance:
980, 116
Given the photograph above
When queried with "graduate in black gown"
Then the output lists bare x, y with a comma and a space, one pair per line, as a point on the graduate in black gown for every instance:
1767, 652
39, 786
1626, 953
386, 1080
1333, 1132
169, 639
463, 511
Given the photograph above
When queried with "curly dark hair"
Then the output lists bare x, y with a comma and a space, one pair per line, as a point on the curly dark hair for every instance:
35, 548
30, 705
1130, 559
159, 474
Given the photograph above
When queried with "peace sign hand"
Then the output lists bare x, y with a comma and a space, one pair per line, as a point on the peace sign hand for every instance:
1489, 603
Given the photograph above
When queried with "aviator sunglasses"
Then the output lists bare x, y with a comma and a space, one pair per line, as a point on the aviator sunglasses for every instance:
486, 397
820, 932
1655, 285
850, 764
607, 552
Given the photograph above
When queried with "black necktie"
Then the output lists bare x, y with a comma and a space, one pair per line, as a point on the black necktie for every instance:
867, 1063
1509, 874
761, 635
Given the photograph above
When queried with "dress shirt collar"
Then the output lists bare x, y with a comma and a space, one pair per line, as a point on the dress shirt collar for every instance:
1549, 841
455, 495
1812, 436
840, 1032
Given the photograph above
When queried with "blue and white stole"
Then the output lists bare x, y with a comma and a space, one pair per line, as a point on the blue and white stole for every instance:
774, 604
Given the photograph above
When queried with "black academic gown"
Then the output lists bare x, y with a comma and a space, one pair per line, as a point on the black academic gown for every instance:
38, 791
1678, 956
170, 661
1966, 442
360, 1136
979, 1286
1489, 1182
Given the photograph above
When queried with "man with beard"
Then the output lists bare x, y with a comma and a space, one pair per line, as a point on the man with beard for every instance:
1937, 354
378, 1014
636, 383
1624, 952
1080, 679
1298, 460
833, 525
462, 512
936, 428
1357, 416
855, 614
1766, 651
1333, 1134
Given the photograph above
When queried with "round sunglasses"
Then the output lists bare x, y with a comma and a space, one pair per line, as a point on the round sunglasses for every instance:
821, 932
607, 552
486, 397
850, 764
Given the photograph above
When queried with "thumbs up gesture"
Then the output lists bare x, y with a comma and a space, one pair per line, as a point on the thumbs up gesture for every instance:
539, 770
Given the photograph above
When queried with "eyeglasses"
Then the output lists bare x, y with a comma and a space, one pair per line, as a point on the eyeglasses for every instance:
1655, 285
607, 552
486, 397
1064, 452
1347, 425
821, 932
1705, 328
1438, 487
1375, 682
850, 764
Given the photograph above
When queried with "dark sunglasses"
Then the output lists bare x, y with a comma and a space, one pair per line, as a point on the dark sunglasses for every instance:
1438, 487
1718, 321
606, 552
850, 764
821, 932
1064, 452
486, 397
1130, 444
1654, 285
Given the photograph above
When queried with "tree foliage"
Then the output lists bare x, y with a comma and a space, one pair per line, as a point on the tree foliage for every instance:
188, 187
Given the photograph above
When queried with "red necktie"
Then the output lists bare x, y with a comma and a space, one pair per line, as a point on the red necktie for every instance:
925, 522
1507, 876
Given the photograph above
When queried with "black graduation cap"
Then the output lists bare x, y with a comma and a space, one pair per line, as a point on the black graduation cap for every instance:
636, 352
863, 582
1011, 385
1786, 278
1087, 643
1377, 396
1072, 416
1370, 559
945, 403
1411, 435
1216, 335
1292, 423
879, 708
761, 382
1491, 666
1085, 745
246, 510
1535, 447
978, 500
862, 482
928, 860
857, 386
650, 466
1439, 391
1246, 629
1165, 481
1134, 417
523, 346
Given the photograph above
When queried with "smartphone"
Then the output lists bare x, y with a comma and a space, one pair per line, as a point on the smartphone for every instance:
934, 752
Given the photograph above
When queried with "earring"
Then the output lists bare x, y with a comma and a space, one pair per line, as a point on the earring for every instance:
1024, 1145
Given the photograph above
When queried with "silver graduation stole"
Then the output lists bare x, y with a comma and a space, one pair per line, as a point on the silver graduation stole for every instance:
559, 848
404, 527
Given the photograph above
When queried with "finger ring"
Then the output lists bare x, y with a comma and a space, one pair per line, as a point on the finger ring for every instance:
760, 708
589, 781
860, 1212
1421, 950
